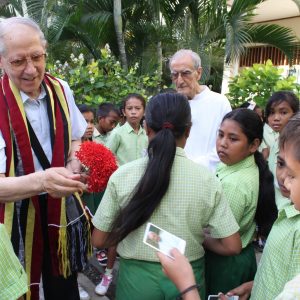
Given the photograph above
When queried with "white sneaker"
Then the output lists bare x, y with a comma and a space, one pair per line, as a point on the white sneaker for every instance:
83, 294
102, 287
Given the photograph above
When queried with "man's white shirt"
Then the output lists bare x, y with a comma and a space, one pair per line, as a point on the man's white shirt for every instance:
208, 109
36, 112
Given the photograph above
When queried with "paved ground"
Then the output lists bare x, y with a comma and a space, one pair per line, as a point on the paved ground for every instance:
92, 276
89, 286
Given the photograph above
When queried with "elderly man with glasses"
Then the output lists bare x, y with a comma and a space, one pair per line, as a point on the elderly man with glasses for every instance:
208, 108
40, 128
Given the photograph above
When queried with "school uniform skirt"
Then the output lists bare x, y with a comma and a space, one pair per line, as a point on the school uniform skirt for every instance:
145, 280
223, 273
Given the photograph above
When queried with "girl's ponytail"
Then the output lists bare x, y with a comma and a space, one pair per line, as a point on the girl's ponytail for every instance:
168, 115
266, 211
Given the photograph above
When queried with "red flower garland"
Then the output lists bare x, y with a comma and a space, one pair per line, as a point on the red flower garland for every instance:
100, 163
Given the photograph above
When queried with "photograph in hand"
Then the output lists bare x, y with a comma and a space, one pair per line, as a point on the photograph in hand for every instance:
162, 241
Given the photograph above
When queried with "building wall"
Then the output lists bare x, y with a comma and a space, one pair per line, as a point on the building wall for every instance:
233, 69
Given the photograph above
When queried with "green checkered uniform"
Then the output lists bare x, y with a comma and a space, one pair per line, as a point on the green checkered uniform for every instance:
126, 144
280, 261
291, 290
13, 279
270, 137
100, 138
240, 183
193, 201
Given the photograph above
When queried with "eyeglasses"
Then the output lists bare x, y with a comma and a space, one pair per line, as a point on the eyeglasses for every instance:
20, 63
183, 74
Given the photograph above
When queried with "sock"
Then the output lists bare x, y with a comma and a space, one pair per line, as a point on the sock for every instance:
108, 272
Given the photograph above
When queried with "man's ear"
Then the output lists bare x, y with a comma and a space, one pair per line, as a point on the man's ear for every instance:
199, 73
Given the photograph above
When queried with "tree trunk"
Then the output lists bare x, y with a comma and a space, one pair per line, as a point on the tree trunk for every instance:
119, 32
159, 59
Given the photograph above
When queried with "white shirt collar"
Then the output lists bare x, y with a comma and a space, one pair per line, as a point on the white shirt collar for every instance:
25, 97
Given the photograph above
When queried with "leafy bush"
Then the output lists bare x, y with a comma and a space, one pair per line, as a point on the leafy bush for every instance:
258, 83
102, 80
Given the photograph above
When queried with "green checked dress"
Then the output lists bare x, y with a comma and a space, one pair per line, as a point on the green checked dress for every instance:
240, 183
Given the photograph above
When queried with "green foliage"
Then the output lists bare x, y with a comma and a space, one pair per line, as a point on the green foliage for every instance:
153, 30
258, 83
103, 80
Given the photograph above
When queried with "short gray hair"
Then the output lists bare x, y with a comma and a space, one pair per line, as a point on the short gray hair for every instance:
5, 28
183, 52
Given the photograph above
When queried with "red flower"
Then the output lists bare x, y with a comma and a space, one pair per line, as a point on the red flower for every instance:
100, 163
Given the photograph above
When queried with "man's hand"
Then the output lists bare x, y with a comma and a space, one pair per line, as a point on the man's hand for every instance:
60, 182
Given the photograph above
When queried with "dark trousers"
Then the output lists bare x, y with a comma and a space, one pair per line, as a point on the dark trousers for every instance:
55, 287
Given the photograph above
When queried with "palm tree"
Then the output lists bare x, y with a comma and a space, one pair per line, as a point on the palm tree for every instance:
119, 32
217, 30
153, 29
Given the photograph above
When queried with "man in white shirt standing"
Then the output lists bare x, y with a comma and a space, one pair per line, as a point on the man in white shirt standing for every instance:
208, 108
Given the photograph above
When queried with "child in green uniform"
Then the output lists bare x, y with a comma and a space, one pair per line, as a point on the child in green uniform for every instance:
280, 261
129, 141
248, 186
107, 119
89, 116
279, 109
171, 191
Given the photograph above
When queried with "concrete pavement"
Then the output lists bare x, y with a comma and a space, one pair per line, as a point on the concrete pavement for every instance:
89, 286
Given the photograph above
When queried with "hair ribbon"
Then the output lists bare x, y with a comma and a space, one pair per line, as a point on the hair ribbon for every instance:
168, 125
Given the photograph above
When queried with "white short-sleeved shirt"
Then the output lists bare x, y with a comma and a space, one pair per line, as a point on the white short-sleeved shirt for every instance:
208, 109
36, 112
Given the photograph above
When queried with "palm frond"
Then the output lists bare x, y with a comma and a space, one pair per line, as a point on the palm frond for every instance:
245, 8
281, 37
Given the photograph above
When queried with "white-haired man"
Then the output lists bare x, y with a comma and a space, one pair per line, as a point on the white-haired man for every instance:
40, 128
208, 108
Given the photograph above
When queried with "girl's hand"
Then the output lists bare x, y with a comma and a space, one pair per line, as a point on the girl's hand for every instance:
243, 291
178, 269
